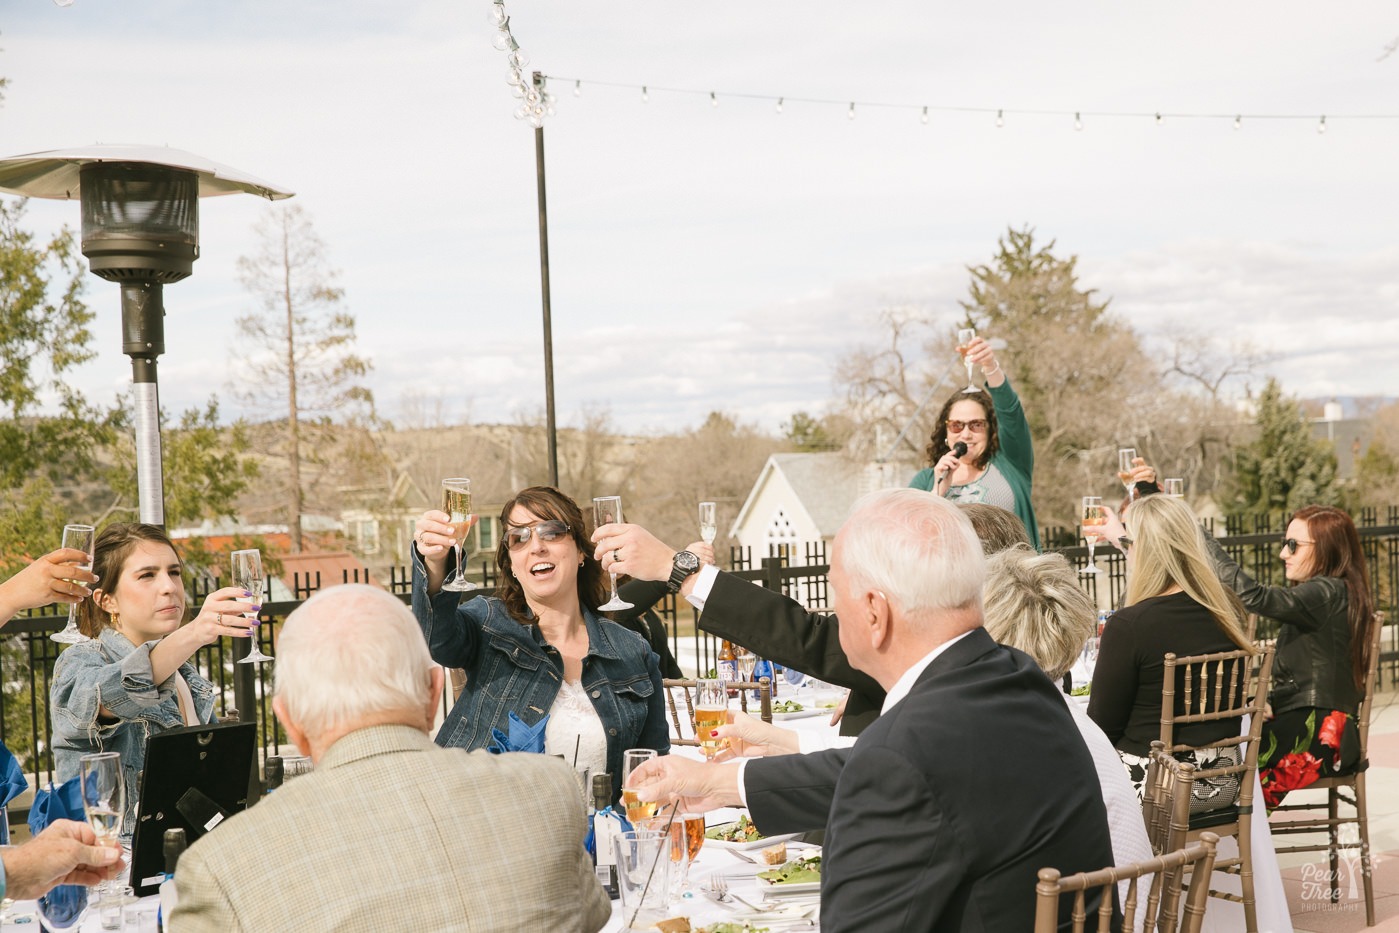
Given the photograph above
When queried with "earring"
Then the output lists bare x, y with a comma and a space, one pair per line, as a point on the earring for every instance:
116, 619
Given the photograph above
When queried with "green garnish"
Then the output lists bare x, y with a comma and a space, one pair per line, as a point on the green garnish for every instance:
787, 706
807, 868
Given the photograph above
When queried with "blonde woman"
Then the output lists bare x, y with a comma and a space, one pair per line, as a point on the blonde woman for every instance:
1174, 603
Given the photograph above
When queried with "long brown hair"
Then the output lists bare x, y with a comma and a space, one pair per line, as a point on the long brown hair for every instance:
1336, 553
113, 546
937, 444
548, 503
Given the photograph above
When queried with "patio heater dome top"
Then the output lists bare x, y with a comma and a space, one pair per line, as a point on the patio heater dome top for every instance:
57, 173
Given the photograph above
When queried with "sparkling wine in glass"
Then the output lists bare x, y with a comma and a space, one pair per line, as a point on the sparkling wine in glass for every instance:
1125, 466
104, 799
686, 840
606, 510
964, 337
708, 522
711, 712
1175, 488
746, 661
1093, 518
456, 502
637, 810
248, 575
79, 537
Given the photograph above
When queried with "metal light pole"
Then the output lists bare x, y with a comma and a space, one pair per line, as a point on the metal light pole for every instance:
550, 424
140, 213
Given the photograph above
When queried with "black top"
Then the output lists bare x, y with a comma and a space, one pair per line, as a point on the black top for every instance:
642, 619
1126, 698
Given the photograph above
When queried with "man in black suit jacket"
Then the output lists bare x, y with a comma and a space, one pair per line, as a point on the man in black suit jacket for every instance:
973, 778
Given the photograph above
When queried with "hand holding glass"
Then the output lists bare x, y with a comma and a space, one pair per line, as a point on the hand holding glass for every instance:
79, 537
638, 811
964, 337
247, 575
606, 510
708, 522
1093, 518
711, 712
456, 502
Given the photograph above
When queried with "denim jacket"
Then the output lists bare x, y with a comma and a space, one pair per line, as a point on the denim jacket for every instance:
110, 671
509, 666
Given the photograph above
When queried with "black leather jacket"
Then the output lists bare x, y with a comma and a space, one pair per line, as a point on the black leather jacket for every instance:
1312, 667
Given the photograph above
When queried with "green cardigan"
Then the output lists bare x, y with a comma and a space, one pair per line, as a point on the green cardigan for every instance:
1015, 459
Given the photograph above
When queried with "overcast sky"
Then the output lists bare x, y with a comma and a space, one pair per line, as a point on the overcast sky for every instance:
726, 257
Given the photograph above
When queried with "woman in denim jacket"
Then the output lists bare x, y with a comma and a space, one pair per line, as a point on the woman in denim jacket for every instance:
133, 678
537, 647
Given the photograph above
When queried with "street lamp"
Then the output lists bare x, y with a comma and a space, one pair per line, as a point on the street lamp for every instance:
140, 212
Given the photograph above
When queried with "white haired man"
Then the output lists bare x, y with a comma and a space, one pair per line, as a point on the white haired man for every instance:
973, 777
389, 832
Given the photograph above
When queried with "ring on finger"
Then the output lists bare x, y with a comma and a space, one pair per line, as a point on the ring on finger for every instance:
616, 555
218, 616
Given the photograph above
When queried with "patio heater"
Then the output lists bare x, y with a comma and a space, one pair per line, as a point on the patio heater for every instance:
140, 216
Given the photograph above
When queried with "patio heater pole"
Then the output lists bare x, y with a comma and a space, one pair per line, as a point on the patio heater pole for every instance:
550, 425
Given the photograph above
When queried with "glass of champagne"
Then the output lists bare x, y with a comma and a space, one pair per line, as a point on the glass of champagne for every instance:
686, 840
104, 800
79, 537
606, 510
1175, 488
247, 575
746, 661
1093, 518
708, 522
964, 337
456, 502
639, 812
1125, 466
711, 712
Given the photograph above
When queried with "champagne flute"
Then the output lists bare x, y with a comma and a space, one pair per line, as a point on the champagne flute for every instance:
638, 810
456, 502
1175, 488
1093, 518
711, 712
964, 337
606, 510
746, 661
104, 800
1125, 466
79, 537
708, 522
247, 574
686, 840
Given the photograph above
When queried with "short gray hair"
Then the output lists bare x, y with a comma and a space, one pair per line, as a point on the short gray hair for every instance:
916, 548
1033, 602
348, 653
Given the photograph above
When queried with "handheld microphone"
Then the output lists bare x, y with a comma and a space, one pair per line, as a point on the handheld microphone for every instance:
959, 450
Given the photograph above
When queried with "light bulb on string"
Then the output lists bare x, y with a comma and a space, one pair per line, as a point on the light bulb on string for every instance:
779, 104
1158, 119
521, 111
1321, 127
495, 16
850, 114
1000, 118
517, 58
1078, 121
713, 100
1238, 121
644, 95
924, 117
502, 38
577, 88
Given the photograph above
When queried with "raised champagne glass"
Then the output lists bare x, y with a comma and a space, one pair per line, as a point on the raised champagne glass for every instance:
1093, 518
711, 712
638, 811
606, 510
1125, 466
708, 522
81, 538
248, 575
965, 337
456, 502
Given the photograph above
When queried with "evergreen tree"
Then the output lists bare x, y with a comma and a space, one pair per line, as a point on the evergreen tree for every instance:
1284, 467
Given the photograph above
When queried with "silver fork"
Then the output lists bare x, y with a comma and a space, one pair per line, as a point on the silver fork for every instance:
719, 888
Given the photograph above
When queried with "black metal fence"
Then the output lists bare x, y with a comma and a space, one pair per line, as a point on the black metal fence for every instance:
244, 689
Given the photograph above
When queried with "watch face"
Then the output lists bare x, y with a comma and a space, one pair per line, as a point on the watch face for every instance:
687, 562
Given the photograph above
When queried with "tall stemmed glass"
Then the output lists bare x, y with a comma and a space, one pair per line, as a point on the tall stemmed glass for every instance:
1125, 466
708, 522
606, 510
78, 537
965, 337
711, 712
1093, 517
247, 573
456, 502
104, 800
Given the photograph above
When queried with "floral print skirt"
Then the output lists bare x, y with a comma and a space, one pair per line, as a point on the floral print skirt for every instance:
1301, 746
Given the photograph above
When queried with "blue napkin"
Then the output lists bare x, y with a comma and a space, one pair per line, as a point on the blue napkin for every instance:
57, 803
12, 779
522, 738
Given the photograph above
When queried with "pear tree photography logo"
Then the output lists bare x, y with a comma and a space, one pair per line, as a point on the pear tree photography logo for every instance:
1320, 886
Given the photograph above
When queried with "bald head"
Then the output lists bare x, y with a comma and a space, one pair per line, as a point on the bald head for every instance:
349, 657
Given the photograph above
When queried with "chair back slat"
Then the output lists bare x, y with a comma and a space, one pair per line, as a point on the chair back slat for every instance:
1367, 700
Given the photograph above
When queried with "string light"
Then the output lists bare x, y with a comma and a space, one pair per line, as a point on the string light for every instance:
1000, 118
924, 118
1078, 121
713, 100
536, 101
779, 104
850, 114
1321, 127
577, 88
1158, 119
1238, 121
644, 95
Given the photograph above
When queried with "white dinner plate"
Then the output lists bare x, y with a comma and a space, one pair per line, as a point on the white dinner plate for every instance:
770, 889
762, 843
799, 714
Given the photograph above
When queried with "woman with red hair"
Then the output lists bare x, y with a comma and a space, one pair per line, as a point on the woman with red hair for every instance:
1322, 649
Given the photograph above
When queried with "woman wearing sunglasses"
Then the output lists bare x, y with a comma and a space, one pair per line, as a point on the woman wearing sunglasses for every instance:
998, 460
537, 647
1322, 648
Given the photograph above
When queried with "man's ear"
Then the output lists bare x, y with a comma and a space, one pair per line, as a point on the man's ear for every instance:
880, 619
294, 732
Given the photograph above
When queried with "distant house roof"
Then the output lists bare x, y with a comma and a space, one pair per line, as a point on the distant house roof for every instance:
826, 484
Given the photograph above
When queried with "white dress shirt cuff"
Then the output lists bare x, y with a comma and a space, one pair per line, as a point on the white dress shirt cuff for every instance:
704, 582
742, 791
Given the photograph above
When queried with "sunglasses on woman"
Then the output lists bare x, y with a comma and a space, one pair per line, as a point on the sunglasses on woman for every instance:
518, 536
977, 426
1290, 545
